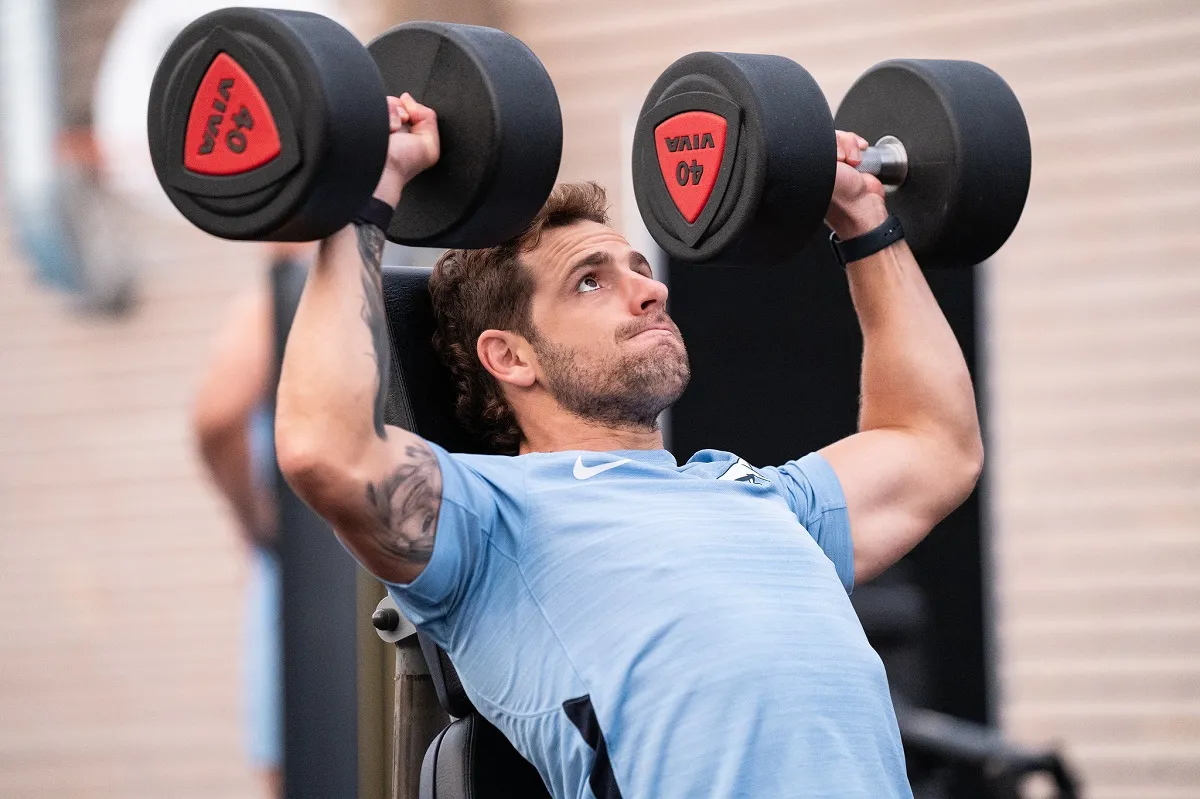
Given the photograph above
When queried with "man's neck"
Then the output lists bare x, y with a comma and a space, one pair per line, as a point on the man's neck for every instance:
554, 430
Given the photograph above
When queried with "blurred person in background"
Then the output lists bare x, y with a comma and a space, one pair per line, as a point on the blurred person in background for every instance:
234, 432
231, 420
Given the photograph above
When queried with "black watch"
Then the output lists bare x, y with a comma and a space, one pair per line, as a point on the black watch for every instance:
869, 243
375, 212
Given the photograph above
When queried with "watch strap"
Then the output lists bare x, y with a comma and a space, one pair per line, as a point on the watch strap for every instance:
375, 212
869, 243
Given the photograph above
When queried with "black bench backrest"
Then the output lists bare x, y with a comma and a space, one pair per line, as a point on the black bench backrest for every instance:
470, 759
421, 399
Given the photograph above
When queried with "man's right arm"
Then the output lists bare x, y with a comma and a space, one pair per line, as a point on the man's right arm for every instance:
379, 486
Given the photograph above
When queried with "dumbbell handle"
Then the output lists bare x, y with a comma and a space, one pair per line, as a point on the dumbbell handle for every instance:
887, 160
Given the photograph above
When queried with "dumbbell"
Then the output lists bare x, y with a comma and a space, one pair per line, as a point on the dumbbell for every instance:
272, 125
734, 156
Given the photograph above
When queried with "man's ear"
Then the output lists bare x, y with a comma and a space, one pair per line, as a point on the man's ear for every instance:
507, 356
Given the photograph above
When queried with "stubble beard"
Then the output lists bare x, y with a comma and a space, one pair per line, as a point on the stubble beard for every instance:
626, 391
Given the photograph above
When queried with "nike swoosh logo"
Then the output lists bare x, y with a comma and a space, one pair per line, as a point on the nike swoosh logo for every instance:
582, 472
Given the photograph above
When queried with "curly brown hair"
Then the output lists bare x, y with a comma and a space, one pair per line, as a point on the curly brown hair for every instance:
478, 290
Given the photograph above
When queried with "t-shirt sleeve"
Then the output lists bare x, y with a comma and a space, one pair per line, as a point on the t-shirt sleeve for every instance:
815, 494
478, 494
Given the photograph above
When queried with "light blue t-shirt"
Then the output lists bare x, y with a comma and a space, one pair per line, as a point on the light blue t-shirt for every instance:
661, 631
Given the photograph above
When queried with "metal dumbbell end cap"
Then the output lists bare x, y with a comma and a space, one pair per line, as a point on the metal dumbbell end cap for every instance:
886, 160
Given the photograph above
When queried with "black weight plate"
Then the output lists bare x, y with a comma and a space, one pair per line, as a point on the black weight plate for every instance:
499, 125
267, 124
968, 150
733, 158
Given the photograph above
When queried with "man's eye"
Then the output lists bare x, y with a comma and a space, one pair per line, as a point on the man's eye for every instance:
589, 283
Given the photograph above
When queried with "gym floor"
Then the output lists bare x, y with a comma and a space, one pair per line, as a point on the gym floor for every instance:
120, 574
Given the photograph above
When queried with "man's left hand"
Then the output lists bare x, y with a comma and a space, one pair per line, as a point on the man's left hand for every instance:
857, 206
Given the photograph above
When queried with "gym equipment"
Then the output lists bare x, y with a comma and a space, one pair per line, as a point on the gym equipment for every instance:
953, 147
500, 128
734, 156
443, 748
323, 710
952, 744
268, 124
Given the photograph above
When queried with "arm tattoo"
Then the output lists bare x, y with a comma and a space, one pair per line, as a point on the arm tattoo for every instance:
406, 504
370, 251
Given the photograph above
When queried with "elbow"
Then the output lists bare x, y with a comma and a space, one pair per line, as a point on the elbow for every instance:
974, 467
968, 460
303, 462
950, 472
213, 432
313, 469
972, 448
955, 464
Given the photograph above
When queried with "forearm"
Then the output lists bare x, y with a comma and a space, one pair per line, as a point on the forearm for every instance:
335, 368
226, 454
918, 452
914, 375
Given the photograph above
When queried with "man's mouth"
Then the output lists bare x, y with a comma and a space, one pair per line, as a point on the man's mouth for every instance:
656, 330
663, 325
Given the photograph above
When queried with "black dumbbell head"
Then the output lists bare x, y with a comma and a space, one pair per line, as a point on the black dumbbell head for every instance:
499, 125
734, 158
968, 153
267, 124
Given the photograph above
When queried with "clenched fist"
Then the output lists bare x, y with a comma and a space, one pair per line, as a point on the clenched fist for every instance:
857, 206
413, 145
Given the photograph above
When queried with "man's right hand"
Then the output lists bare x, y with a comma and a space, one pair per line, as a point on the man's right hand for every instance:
413, 145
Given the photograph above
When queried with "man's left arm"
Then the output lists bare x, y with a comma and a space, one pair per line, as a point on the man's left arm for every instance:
918, 450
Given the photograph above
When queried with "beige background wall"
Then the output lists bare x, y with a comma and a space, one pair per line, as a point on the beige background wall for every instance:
119, 574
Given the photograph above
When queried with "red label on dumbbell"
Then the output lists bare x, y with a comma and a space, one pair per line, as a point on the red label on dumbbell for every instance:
230, 129
690, 146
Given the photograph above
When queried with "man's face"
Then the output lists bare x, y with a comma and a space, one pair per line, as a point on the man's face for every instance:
606, 349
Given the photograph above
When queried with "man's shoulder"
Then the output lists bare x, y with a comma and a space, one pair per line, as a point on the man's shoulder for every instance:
469, 477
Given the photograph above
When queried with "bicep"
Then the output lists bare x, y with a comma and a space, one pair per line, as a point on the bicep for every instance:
417, 518
386, 511
895, 489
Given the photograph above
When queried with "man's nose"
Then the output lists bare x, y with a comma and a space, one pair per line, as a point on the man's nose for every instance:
648, 293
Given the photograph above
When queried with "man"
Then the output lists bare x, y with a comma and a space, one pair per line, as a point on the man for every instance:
234, 434
636, 628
